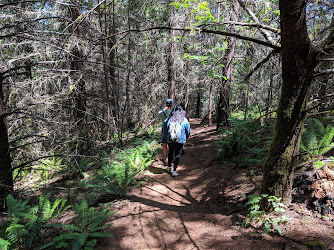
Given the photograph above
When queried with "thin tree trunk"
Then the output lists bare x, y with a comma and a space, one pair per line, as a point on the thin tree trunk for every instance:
113, 107
246, 102
170, 61
79, 95
6, 177
210, 106
269, 97
298, 63
106, 83
198, 103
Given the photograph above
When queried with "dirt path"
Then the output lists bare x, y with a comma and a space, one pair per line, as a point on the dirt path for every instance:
199, 209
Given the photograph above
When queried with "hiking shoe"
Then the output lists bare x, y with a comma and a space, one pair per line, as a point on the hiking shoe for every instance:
174, 173
168, 169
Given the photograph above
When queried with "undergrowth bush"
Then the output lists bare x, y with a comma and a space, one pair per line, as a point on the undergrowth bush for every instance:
83, 233
26, 222
119, 172
245, 139
316, 140
28, 226
42, 171
268, 222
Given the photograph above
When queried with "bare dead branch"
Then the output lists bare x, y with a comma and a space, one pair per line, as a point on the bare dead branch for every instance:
30, 21
323, 72
257, 25
199, 30
259, 65
265, 33
16, 3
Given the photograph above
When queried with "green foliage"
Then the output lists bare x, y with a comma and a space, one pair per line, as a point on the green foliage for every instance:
317, 140
43, 171
4, 244
88, 226
114, 180
26, 221
246, 138
201, 12
267, 221
115, 177
147, 133
48, 167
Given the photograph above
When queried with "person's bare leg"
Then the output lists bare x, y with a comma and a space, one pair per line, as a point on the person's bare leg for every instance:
164, 152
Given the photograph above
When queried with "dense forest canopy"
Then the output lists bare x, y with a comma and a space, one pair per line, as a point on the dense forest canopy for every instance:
76, 75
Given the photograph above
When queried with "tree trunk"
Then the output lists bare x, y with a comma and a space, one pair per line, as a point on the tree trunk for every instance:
298, 63
170, 61
269, 97
223, 106
112, 68
210, 106
198, 103
246, 101
6, 178
79, 95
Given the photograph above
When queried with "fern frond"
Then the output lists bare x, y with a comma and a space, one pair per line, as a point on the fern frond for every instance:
16, 207
316, 140
325, 143
4, 244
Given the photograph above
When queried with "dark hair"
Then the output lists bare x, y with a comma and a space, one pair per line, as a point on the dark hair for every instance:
169, 102
184, 106
177, 107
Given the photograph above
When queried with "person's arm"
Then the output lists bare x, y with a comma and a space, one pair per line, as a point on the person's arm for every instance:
164, 131
187, 130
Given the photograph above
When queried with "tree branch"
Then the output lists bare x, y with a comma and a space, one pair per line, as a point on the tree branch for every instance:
199, 30
265, 33
15, 3
32, 20
324, 72
259, 65
257, 25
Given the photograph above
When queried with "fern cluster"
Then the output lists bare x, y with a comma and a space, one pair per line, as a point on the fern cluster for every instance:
117, 174
26, 222
88, 226
317, 140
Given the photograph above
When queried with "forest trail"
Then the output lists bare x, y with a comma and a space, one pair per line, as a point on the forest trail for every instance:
199, 209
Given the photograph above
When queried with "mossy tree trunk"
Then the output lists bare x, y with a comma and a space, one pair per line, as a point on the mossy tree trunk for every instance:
298, 63
223, 107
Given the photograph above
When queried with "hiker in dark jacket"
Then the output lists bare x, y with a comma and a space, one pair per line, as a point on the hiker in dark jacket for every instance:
175, 130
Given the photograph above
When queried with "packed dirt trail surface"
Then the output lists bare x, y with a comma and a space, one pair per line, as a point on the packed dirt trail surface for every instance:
199, 209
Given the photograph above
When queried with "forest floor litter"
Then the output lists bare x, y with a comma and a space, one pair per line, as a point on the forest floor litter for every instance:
204, 207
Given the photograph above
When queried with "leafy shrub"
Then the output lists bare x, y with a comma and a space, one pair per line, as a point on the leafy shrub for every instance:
88, 226
43, 171
115, 177
267, 221
114, 180
245, 137
26, 222
317, 140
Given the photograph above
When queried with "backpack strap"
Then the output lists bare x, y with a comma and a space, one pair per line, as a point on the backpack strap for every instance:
163, 111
